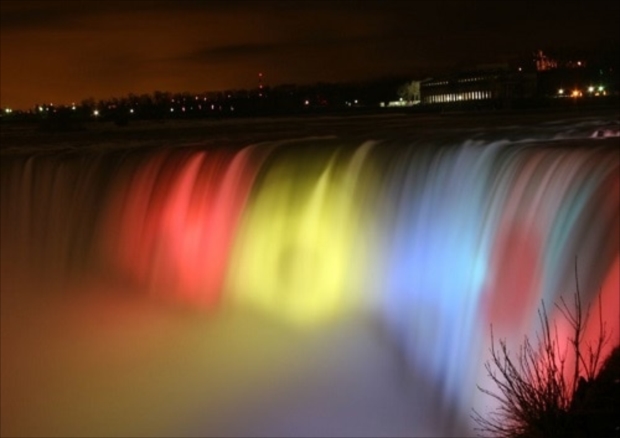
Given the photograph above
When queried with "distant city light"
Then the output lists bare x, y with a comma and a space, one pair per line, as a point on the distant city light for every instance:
427, 95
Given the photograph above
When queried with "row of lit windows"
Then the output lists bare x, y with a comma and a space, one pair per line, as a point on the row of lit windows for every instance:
460, 81
456, 97
434, 84
480, 78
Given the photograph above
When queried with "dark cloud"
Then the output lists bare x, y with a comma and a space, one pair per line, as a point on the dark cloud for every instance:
49, 14
232, 52
38, 15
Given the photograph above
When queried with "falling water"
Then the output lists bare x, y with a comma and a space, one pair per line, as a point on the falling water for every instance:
426, 243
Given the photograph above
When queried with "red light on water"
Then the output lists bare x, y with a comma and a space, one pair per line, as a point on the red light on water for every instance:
178, 222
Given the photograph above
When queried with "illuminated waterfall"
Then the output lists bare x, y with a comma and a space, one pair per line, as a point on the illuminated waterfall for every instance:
480, 234
177, 221
433, 243
300, 251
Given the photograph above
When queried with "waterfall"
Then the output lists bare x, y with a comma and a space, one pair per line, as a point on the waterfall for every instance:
431, 242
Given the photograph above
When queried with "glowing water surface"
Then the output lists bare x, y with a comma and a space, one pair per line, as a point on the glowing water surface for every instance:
315, 286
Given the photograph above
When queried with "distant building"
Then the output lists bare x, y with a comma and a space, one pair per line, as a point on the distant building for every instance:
543, 62
489, 82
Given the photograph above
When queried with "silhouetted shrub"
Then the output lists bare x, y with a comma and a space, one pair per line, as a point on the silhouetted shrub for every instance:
536, 397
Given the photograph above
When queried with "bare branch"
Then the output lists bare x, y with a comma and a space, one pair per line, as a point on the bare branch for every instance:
534, 396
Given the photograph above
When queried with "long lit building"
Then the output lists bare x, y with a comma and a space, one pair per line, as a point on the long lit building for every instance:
490, 83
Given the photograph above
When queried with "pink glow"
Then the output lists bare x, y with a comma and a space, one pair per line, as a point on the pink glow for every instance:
516, 274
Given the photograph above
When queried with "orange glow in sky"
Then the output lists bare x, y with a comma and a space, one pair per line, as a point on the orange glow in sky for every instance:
65, 51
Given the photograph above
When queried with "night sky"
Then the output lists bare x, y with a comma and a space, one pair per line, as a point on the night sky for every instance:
64, 51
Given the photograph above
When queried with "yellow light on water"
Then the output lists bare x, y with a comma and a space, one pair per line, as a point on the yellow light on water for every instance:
297, 258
